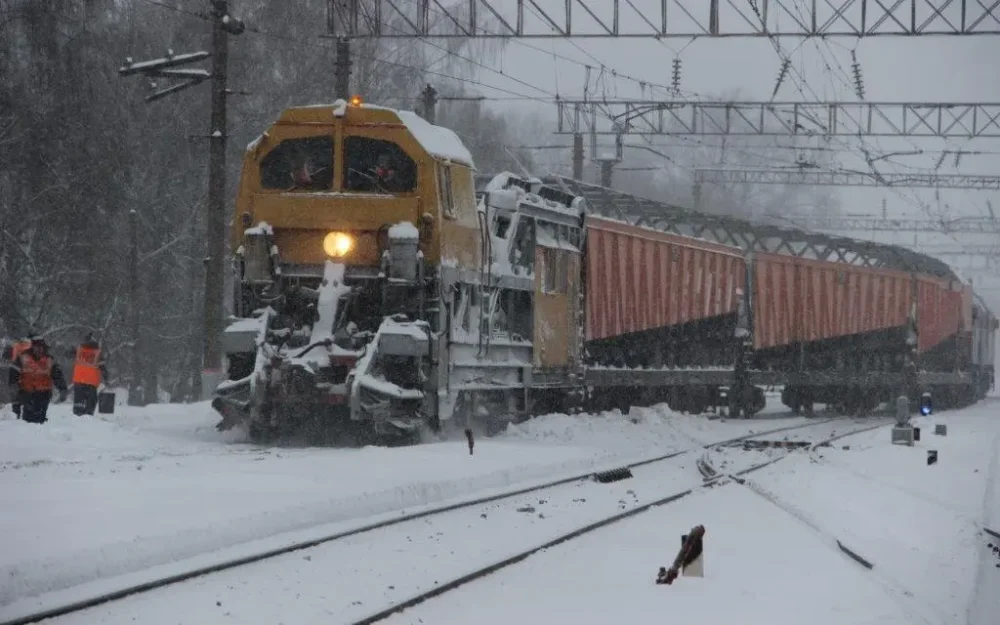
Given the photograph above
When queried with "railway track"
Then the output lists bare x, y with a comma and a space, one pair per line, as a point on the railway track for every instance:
153, 583
712, 478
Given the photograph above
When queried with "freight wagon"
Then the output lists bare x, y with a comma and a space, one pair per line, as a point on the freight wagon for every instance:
852, 332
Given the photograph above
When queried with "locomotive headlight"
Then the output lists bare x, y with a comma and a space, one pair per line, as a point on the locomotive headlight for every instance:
338, 244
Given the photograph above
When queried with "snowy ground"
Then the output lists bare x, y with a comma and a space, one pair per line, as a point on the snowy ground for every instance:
607, 577
100, 498
771, 550
920, 525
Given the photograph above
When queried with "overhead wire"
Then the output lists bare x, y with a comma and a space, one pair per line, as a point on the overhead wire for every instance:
803, 85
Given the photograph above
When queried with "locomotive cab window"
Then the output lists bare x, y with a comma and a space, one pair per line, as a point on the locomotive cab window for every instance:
522, 250
444, 191
299, 165
501, 225
377, 166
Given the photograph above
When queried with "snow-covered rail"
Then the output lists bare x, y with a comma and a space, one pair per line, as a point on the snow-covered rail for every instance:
153, 581
710, 480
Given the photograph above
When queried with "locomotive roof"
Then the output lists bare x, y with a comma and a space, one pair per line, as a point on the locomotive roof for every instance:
746, 234
439, 142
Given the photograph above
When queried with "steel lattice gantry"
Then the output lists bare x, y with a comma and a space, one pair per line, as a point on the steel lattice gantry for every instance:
844, 178
849, 223
748, 235
506, 19
874, 119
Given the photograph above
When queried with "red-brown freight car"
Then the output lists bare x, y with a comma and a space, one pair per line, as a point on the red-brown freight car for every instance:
944, 310
800, 300
657, 298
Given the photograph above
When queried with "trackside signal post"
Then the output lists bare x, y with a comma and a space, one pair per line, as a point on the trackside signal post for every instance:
223, 25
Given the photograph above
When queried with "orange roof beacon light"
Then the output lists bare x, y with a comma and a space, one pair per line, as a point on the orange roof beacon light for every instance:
355, 100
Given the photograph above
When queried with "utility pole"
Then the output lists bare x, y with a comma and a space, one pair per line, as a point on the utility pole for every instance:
216, 222
578, 156
223, 25
342, 82
429, 98
135, 379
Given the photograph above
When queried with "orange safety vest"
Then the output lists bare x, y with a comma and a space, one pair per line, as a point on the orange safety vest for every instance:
85, 369
18, 349
36, 375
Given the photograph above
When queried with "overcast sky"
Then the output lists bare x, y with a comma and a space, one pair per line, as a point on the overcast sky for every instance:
894, 69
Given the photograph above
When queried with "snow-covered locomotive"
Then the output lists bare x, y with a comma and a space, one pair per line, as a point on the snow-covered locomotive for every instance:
371, 290
380, 287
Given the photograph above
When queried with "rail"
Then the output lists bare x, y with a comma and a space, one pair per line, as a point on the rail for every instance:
453, 584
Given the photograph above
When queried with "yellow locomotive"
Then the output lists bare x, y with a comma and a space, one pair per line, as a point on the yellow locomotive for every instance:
372, 288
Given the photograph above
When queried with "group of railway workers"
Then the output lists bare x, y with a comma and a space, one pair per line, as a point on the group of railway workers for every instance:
34, 374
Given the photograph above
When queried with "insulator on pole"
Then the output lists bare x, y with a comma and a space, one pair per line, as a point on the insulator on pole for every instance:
782, 74
676, 80
859, 86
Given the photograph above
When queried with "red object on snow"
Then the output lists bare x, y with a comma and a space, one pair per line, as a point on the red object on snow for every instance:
468, 436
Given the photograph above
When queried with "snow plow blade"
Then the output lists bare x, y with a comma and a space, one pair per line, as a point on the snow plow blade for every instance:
232, 402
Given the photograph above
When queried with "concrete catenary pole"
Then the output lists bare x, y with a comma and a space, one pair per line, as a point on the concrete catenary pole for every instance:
216, 222
578, 156
342, 69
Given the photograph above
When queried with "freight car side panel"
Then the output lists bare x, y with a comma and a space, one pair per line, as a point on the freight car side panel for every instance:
803, 300
640, 279
940, 311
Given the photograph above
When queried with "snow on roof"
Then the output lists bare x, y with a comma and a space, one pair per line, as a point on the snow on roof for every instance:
404, 230
438, 141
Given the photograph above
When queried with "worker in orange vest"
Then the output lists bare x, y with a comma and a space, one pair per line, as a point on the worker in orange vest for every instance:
88, 371
34, 373
16, 350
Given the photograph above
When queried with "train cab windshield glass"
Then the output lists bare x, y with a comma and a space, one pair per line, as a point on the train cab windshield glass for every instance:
377, 166
299, 165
